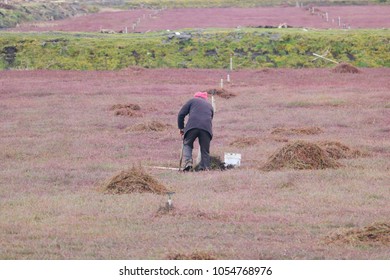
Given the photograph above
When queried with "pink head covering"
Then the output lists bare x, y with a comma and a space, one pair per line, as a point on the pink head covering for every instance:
201, 95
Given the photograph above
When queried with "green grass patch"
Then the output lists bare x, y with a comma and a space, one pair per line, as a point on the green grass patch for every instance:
251, 48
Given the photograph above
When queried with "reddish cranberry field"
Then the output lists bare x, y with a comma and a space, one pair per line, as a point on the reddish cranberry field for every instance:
65, 133
61, 139
173, 19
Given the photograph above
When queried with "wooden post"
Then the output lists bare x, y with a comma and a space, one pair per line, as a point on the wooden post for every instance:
228, 78
339, 21
231, 63
327, 16
221, 83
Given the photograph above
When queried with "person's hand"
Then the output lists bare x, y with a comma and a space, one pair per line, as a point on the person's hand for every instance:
181, 131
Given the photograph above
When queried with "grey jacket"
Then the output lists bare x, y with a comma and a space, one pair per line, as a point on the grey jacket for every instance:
200, 113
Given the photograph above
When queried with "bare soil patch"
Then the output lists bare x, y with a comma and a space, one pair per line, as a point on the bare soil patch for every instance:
377, 233
223, 93
298, 131
216, 164
128, 110
345, 68
133, 180
167, 209
150, 126
300, 155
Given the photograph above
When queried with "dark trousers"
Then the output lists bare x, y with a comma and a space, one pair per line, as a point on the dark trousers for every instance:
204, 139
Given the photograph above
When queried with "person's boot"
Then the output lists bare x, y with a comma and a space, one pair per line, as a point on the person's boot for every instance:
188, 166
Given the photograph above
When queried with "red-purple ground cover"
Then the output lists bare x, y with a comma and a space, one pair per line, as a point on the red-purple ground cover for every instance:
149, 20
60, 139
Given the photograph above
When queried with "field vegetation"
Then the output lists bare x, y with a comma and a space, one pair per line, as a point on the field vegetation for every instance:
211, 48
66, 191
226, 3
89, 149
17, 12
235, 3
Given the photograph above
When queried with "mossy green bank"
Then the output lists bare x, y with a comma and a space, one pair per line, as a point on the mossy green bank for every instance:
17, 13
209, 48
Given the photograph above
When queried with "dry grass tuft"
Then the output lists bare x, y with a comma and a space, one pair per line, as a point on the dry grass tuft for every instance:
150, 126
133, 180
128, 110
133, 107
336, 150
345, 68
298, 131
373, 234
300, 155
244, 142
221, 93
193, 256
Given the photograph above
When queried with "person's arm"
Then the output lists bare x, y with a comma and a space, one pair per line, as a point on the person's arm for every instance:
185, 110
